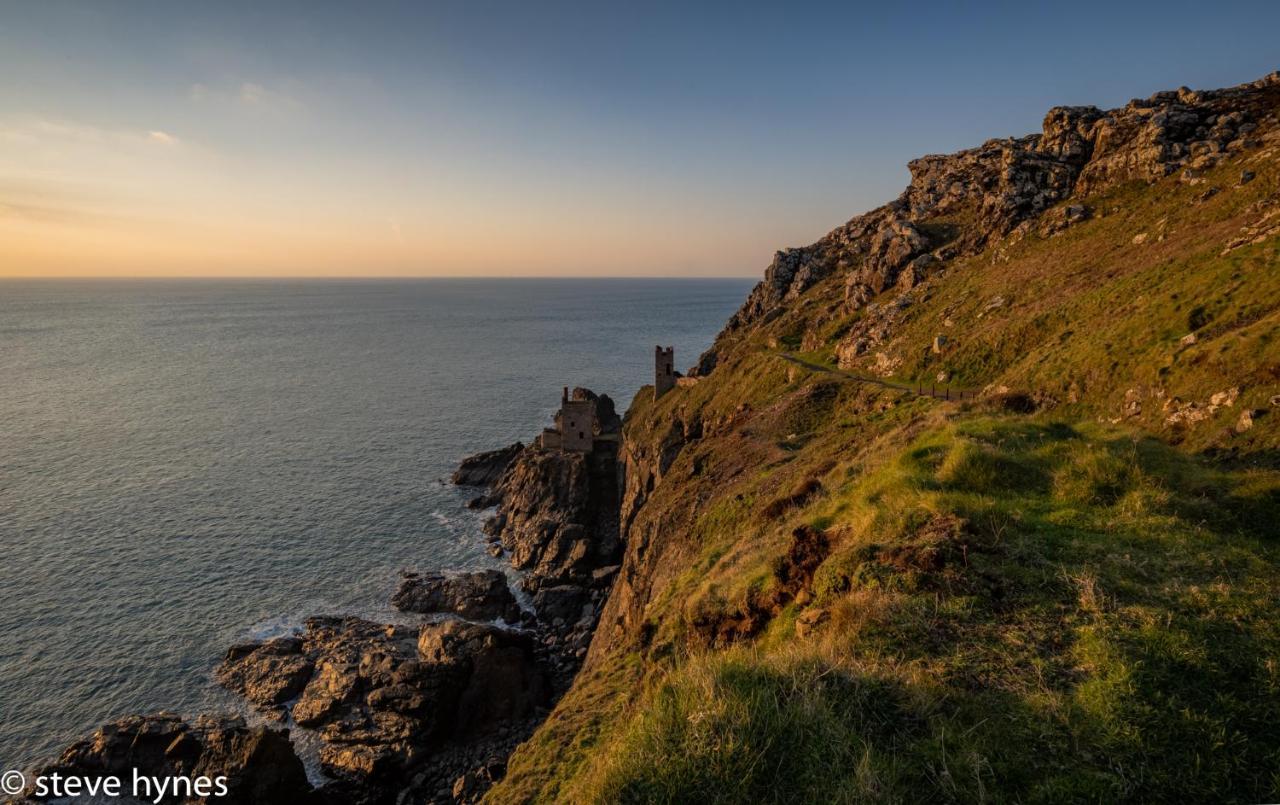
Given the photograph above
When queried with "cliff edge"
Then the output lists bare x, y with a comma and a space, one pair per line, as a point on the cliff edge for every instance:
842, 582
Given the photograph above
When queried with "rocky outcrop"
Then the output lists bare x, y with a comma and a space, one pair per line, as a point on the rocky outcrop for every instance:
278, 672
382, 697
873, 330
500, 680
476, 595
484, 469
557, 522
558, 516
997, 186
258, 763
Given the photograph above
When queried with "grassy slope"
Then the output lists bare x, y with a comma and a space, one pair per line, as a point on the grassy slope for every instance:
1039, 607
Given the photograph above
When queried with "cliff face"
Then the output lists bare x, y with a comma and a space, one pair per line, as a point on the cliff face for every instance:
833, 589
1002, 187
558, 515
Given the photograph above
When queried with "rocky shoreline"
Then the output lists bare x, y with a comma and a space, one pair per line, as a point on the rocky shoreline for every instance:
420, 713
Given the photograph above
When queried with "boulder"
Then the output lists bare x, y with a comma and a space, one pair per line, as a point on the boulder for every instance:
268, 674
562, 602
259, 763
382, 696
502, 680
484, 469
481, 594
810, 620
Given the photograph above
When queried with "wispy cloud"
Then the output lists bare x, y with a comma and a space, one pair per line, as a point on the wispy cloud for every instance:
48, 131
74, 173
35, 213
47, 201
279, 99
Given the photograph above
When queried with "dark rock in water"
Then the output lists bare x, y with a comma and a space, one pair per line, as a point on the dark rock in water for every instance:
259, 763
384, 697
484, 469
366, 693
482, 502
494, 525
267, 674
480, 595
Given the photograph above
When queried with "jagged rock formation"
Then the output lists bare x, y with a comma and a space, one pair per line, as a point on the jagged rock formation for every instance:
997, 186
477, 595
258, 762
557, 512
484, 469
382, 697
557, 516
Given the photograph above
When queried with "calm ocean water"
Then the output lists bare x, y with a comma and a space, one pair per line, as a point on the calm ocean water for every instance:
184, 464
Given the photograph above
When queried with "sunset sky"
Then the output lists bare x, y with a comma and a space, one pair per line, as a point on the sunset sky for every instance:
381, 139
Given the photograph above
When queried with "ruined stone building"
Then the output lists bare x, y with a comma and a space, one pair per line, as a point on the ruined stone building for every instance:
664, 370
575, 426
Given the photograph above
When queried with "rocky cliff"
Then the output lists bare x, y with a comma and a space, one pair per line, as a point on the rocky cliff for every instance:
835, 589
958, 204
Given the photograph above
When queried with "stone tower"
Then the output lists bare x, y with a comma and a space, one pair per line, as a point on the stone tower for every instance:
576, 423
664, 370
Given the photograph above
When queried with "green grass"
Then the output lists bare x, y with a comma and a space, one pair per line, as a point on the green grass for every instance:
731, 729
1018, 611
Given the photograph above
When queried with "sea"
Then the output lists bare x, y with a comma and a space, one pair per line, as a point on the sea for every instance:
186, 464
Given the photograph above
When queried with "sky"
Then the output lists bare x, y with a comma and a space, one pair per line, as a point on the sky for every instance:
531, 138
